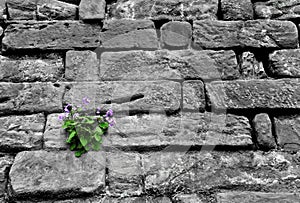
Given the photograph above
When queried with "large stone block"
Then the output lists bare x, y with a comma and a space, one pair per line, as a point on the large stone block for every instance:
81, 66
288, 132
124, 174
54, 136
254, 197
251, 67
165, 9
173, 65
285, 63
28, 69
192, 172
21, 10
129, 34
236, 9
92, 9
30, 97
193, 96
251, 34
127, 96
254, 94
5, 163
278, 9
21, 132
58, 35
57, 174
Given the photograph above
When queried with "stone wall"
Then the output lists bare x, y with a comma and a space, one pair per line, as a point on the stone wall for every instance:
206, 95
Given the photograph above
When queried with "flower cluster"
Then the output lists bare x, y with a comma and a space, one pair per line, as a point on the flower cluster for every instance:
85, 132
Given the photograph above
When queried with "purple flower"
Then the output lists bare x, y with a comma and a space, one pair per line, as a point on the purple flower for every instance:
61, 117
109, 113
85, 100
68, 108
98, 110
111, 121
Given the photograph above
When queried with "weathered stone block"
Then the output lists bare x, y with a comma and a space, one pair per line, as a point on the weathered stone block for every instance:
251, 34
237, 10
250, 67
81, 66
254, 94
278, 9
176, 35
193, 96
127, 96
204, 170
92, 9
57, 174
59, 35
21, 9
3, 13
188, 198
124, 173
21, 132
253, 197
263, 130
54, 136
287, 131
129, 34
28, 69
30, 97
5, 163
285, 63
163, 64
165, 9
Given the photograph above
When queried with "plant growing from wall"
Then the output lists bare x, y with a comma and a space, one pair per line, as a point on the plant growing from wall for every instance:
84, 131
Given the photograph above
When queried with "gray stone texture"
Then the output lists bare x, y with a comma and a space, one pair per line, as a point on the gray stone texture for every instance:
31, 69
250, 34
176, 35
263, 131
173, 65
21, 132
48, 35
81, 66
204, 170
254, 197
287, 131
277, 9
285, 63
57, 174
54, 136
127, 96
5, 163
250, 67
193, 96
30, 97
92, 9
128, 34
165, 9
237, 9
254, 94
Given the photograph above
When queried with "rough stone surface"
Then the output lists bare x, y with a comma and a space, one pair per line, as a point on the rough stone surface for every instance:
30, 97
129, 34
164, 64
165, 9
126, 96
155, 131
255, 197
40, 10
278, 9
254, 94
176, 35
57, 174
285, 63
287, 131
193, 96
60, 35
28, 69
237, 10
21, 132
252, 34
3, 13
92, 9
263, 131
124, 173
5, 163
81, 66
191, 172
250, 67
188, 198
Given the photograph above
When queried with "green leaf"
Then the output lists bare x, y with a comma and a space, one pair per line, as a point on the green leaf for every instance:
97, 137
98, 131
79, 153
69, 123
71, 136
104, 125
83, 141
96, 146
89, 121
73, 146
